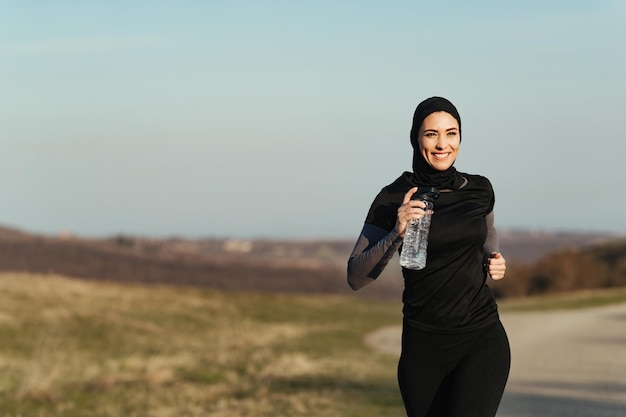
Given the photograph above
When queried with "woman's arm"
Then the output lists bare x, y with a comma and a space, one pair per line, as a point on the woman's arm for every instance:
495, 264
376, 246
372, 252
492, 243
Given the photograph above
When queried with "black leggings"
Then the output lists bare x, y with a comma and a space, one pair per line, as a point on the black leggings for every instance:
453, 375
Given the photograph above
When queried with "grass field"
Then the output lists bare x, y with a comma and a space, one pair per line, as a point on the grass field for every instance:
80, 348
566, 301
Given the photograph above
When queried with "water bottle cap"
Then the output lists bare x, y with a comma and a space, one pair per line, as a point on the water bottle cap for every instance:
426, 194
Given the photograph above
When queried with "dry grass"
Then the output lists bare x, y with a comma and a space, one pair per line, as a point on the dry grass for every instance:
81, 348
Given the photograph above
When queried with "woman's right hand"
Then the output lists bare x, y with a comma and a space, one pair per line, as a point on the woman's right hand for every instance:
409, 210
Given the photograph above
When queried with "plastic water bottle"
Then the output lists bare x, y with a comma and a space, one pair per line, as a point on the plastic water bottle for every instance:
413, 254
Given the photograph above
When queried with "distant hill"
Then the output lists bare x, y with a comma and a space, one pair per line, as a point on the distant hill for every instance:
599, 265
261, 265
528, 246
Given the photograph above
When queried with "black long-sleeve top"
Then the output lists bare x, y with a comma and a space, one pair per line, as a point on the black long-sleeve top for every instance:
450, 294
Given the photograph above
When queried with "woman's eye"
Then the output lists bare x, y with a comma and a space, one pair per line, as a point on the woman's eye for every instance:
430, 134
452, 133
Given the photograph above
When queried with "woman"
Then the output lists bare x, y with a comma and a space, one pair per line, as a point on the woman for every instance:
455, 353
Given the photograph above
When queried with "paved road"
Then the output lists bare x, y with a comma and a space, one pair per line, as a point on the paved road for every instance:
565, 363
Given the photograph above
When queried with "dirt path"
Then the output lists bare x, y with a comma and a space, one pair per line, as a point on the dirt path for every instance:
565, 363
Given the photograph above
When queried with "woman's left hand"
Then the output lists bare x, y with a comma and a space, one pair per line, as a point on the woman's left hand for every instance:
496, 266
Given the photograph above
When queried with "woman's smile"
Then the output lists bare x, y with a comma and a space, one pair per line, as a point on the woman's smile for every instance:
441, 155
439, 140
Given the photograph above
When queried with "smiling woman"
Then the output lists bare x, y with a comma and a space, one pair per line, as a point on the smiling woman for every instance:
455, 354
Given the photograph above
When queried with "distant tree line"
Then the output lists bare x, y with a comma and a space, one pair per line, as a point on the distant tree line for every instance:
601, 266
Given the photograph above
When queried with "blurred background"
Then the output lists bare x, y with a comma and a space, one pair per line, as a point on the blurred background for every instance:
183, 183
276, 119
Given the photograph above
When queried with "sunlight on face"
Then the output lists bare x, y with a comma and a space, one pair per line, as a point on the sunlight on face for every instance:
439, 140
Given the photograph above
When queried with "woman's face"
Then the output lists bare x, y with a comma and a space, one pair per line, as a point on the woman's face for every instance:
439, 140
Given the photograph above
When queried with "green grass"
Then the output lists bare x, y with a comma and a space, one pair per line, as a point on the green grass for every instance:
75, 348
566, 301
78, 348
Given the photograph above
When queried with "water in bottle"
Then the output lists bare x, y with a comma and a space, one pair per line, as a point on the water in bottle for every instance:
413, 254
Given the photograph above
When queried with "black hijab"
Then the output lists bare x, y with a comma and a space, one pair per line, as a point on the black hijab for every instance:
423, 173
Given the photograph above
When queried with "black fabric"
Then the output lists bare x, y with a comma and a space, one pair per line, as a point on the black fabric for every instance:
450, 294
424, 173
460, 375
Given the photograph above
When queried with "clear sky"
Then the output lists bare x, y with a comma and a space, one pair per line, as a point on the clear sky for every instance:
283, 119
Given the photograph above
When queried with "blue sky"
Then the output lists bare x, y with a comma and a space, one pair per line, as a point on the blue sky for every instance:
284, 119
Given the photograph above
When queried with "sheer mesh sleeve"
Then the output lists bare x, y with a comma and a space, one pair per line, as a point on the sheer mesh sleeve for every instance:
371, 254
